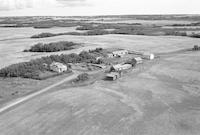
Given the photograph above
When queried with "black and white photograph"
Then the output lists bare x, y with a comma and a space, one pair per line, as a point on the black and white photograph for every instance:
99, 67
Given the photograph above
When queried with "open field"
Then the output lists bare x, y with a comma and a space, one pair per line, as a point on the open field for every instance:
159, 97
13, 88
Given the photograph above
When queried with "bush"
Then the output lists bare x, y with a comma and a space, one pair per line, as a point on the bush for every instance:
96, 32
195, 35
176, 33
52, 47
83, 77
196, 48
133, 62
43, 35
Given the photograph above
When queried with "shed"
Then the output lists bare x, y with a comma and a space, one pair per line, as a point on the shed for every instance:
139, 60
112, 76
58, 67
126, 66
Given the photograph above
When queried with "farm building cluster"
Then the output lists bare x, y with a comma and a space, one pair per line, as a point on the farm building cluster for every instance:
115, 60
117, 69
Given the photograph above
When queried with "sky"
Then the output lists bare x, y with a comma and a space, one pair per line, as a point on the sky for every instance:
96, 7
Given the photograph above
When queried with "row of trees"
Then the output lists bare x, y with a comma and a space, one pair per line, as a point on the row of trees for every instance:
196, 48
43, 35
195, 35
33, 68
123, 30
52, 47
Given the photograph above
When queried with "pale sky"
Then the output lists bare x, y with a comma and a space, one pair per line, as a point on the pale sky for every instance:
96, 7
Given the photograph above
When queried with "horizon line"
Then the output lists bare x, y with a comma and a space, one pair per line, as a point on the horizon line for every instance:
166, 14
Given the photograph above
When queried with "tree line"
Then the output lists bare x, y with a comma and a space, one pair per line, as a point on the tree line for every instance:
52, 47
33, 68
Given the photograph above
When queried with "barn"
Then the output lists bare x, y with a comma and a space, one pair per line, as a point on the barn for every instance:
120, 67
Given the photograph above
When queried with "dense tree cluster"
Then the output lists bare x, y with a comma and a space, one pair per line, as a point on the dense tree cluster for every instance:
107, 26
175, 33
96, 32
32, 69
52, 47
196, 48
44, 35
195, 35
98, 52
82, 77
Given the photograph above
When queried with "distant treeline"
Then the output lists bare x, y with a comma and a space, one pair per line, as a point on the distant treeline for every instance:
108, 26
190, 24
92, 29
195, 35
46, 35
33, 68
124, 31
38, 23
52, 47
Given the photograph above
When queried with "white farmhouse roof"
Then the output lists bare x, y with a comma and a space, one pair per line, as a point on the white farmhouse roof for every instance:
58, 64
138, 59
120, 52
58, 67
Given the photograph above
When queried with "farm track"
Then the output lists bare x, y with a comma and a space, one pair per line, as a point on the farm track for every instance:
26, 98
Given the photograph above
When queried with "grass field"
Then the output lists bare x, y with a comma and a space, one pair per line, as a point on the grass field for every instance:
12, 88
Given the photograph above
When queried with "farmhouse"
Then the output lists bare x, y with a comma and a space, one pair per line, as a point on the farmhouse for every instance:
113, 76
149, 56
120, 67
139, 60
120, 53
58, 67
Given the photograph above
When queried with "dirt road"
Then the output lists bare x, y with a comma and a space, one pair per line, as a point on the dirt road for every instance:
23, 99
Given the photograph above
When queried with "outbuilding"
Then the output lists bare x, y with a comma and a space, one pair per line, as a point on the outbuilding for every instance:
58, 67
113, 76
120, 67
139, 60
120, 53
